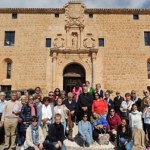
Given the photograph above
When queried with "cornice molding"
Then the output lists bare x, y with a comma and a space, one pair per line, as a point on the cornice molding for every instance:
117, 11
33, 10
62, 11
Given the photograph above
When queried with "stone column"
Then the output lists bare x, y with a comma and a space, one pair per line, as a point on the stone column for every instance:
93, 68
54, 57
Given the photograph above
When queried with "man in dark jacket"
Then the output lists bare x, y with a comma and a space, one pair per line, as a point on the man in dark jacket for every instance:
56, 135
108, 100
84, 104
117, 102
71, 104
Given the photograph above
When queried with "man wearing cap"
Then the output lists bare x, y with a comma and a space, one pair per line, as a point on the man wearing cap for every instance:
2, 105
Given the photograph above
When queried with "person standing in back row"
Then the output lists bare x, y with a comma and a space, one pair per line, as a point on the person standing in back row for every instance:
10, 120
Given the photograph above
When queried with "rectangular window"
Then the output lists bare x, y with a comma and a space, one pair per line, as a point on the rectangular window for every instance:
14, 15
8, 70
147, 38
101, 42
90, 15
48, 42
9, 38
136, 17
56, 15
148, 70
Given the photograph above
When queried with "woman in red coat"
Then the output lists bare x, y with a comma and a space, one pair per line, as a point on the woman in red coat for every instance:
99, 105
114, 121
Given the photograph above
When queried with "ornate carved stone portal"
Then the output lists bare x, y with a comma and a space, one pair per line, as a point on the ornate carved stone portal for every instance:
73, 47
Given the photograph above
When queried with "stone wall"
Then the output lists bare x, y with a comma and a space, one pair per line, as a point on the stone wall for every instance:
120, 65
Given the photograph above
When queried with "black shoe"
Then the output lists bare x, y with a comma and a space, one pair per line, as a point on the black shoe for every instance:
14, 148
5, 148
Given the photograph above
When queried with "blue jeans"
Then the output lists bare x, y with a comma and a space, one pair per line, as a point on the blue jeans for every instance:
87, 142
52, 146
128, 146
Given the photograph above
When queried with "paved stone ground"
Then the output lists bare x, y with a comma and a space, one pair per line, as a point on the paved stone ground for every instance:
77, 148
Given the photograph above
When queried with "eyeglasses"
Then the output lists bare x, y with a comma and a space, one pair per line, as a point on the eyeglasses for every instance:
51, 95
34, 121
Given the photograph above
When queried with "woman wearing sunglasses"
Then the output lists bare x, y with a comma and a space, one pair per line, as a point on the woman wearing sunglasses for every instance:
34, 136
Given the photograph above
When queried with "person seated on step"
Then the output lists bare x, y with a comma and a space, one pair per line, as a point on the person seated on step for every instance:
56, 136
114, 121
34, 136
84, 131
124, 135
99, 125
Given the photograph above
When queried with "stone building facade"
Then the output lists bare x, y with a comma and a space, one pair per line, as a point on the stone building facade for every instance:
59, 47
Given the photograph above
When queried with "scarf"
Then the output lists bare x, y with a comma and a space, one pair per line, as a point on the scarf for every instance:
35, 135
32, 109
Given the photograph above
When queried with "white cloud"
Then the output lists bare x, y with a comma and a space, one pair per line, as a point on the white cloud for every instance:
61, 3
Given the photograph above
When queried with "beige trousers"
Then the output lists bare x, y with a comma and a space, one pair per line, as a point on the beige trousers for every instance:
10, 126
45, 130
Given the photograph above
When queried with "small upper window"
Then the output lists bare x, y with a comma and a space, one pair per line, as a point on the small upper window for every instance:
136, 17
90, 15
9, 38
48, 42
9, 70
148, 70
14, 15
147, 38
101, 42
56, 15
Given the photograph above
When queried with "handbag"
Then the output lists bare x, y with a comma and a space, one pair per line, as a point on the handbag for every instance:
103, 139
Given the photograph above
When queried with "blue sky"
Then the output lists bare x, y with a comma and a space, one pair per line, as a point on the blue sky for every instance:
61, 3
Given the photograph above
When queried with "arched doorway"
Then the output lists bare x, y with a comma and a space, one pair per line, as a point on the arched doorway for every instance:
73, 74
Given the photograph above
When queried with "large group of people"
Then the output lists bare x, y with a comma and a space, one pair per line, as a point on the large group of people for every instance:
39, 122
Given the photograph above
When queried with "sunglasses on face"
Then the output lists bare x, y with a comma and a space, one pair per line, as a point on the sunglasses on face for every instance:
34, 121
84, 116
51, 95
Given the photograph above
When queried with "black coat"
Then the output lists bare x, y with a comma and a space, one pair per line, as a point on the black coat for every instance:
71, 106
110, 103
117, 103
26, 116
56, 133
84, 100
138, 102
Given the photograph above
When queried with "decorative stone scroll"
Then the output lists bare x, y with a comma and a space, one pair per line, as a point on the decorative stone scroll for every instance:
59, 42
89, 42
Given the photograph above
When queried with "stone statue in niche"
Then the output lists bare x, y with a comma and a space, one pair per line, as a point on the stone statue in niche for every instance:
74, 40
59, 42
89, 42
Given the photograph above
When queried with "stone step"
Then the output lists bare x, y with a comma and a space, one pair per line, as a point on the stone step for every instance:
95, 146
